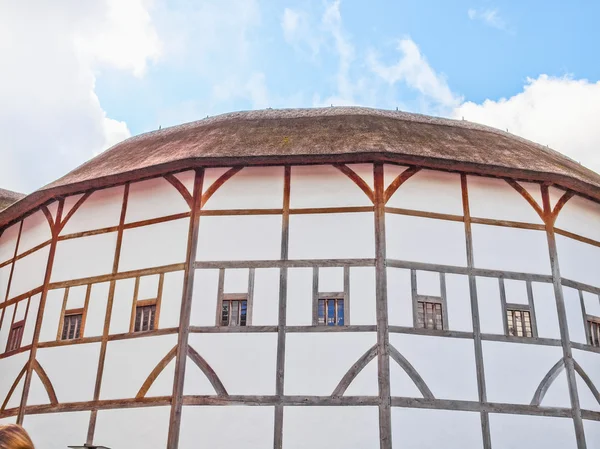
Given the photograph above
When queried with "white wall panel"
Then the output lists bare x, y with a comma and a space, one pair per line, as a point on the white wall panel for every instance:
154, 245
120, 319
558, 393
250, 188
332, 354
516, 292
590, 363
587, 400
426, 240
431, 191
332, 236
8, 242
331, 279
37, 392
494, 198
170, 307
94, 321
10, 367
428, 283
9, 420
153, 198
148, 287
20, 310
490, 307
187, 179
29, 272
239, 371
133, 428
401, 385
76, 298
36, 230
15, 398
422, 428
34, 305
211, 175
431, 356
236, 280
84, 257
101, 210
578, 260
204, 298
391, 172
129, 362
324, 186
458, 302
363, 309
239, 237
299, 297
4, 277
399, 297
52, 315
580, 216
510, 249
72, 370
196, 382
513, 371
574, 315
5, 326
57, 430
227, 427
591, 303
366, 382
546, 315
351, 427
531, 431
592, 433
163, 384
365, 172
266, 297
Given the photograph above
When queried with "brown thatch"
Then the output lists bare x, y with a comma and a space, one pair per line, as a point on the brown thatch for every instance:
8, 197
326, 134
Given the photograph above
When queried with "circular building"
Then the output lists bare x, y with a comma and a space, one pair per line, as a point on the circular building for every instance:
323, 278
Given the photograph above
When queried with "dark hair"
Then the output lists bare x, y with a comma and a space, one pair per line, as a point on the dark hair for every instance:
13, 436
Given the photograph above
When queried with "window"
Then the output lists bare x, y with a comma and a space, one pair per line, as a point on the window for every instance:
429, 315
71, 329
145, 316
234, 311
593, 324
519, 322
331, 312
15, 336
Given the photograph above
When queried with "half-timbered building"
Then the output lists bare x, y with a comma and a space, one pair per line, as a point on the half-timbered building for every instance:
324, 278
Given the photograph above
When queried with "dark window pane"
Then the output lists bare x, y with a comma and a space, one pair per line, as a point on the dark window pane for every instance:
243, 312
321, 312
340, 312
331, 312
144, 318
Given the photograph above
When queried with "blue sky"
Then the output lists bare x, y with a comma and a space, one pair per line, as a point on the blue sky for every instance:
79, 76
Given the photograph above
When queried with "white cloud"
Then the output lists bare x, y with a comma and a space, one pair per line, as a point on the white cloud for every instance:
299, 32
50, 117
561, 112
489, 16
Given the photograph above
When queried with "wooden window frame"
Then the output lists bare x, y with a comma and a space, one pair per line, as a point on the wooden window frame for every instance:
337, 296
435, 300
146, 302
592, 321
529, 307
523, 309
232, 297
64, 312
248, 297
416, 299
72, 312
15, 325
317, 296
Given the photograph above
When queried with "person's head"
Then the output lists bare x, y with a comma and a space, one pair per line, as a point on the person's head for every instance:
13, 436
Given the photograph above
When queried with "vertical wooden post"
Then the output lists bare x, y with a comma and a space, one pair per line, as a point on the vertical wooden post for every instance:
184, 319
562, 320
479, 366
383, 341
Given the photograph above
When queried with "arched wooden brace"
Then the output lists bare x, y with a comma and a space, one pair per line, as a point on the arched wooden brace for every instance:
353, 371
357, 180
218, 183
155, 373
412, 373
46, 382
72, 211
13, 387
208, 372
400, 179
49, 218
525, 194
548, 379
560, 204
579, 370
181, 189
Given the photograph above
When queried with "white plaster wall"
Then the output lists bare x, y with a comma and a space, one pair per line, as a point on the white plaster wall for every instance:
428, 283
133, 428
8, 242
430, 191
391, 172
196, 382
330, 427
155, 245
490, 307
513, 371
170, 306
324, 186
427, 240
366, 382
250, 188
34, 304
531, 431
516, 292
510, 249
299, 297
36, 230
153, 198
590, 362
546, 315
10, 367
495, 198
148, 287
432, 355
578, 260
5, 326
9, 420
15, 398
84, 257
57, 430
226, 427
29, 272
236, 280
120, 319
458, 302
266, 297
20, 310
37, 392
52, 315
331, 279
71, 369
587, 400
591, 303
592, 433
399, 297
129, 362
187, 179
424, 429
94, 321
250, 362
333, 354
363, 309
365, 172
204, 298
163, 384
101, 210
4, 276
580, 216
239, 237
558, 393
574, 315
401, 385
332, 236
76, 297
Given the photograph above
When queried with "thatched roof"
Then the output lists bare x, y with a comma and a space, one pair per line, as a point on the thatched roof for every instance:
8, 197
325, 134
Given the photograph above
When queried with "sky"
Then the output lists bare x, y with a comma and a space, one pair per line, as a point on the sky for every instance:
77, 77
